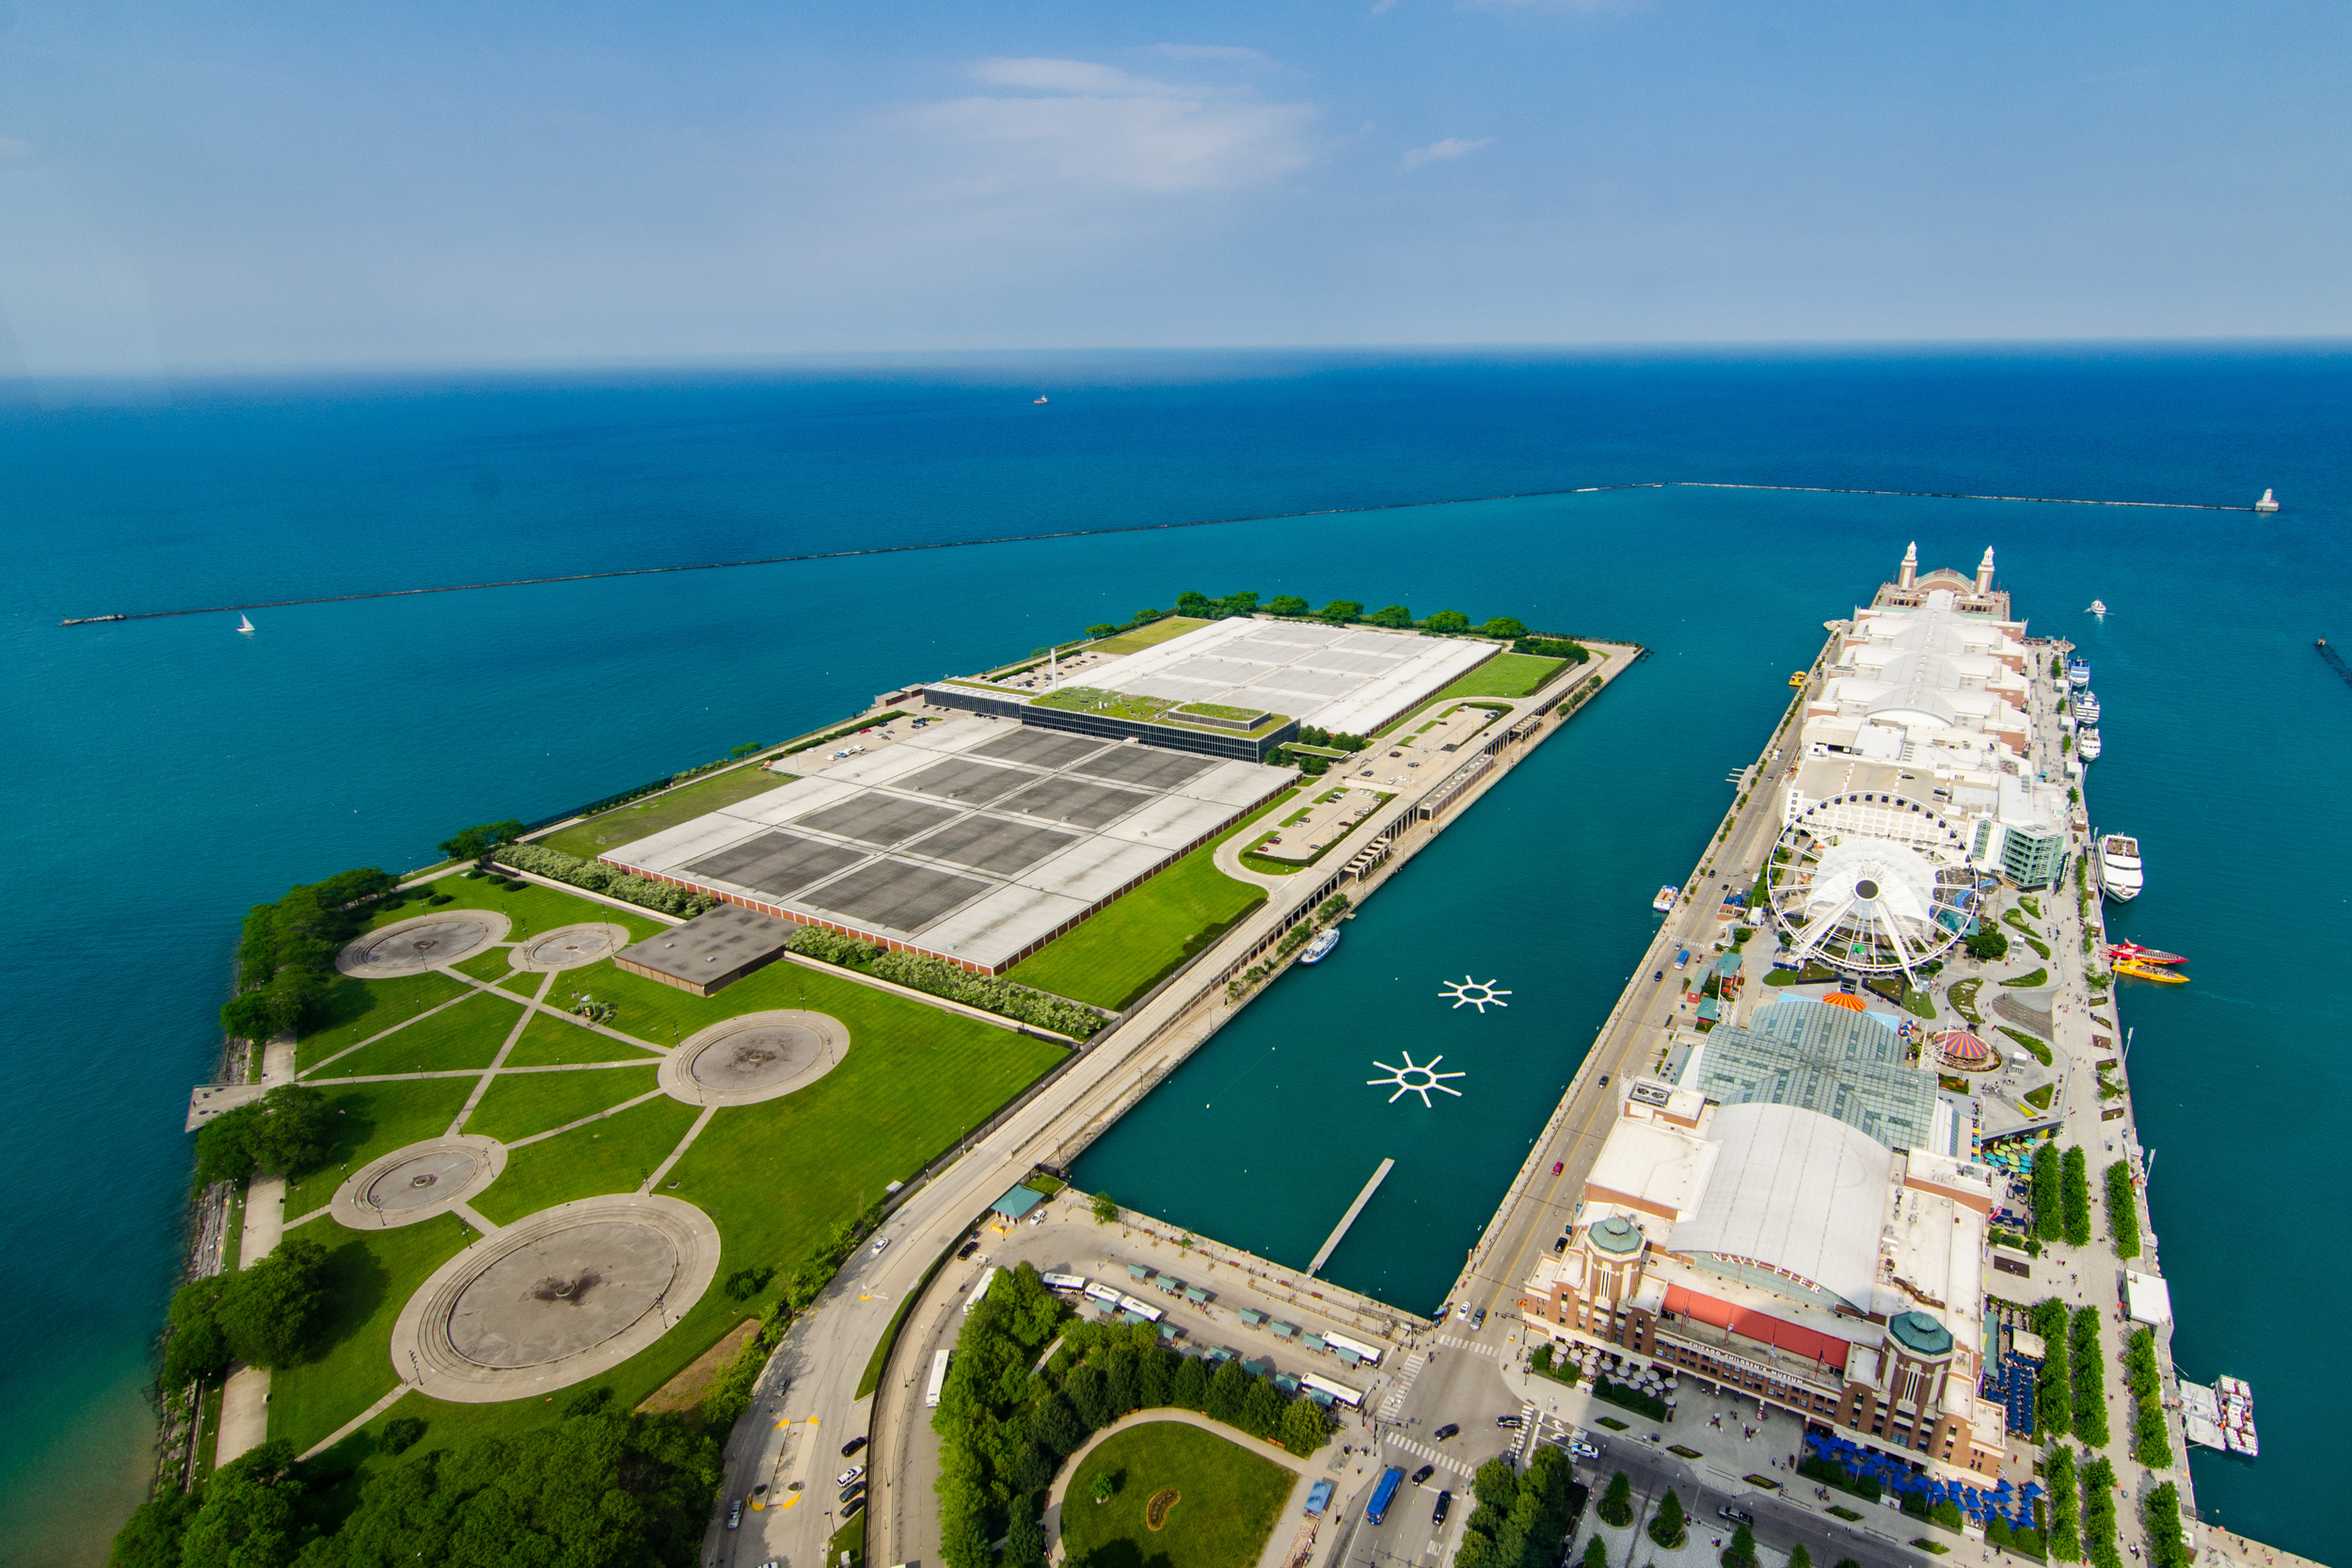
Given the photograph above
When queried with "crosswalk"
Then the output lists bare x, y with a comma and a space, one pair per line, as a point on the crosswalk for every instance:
1473, 1346
1394, 1403
1424, 1451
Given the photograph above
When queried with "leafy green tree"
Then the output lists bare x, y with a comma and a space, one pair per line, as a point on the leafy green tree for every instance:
1596, 1553
1261, 1409
1147, 616
1394, 616
475, 841
1667, 1527
1189, 1389
1024, 1539
1987, 944
1340, 611
1799, 1556
1616, 1503
1305, 1428
1742, 1552
1448, 620
1241, 603
1503, 626
1104, 1206
2049, 1208
150, 1539
269, 1311
250, 1517
1286, 604
1228, 1385
199, 1347
1104, 1487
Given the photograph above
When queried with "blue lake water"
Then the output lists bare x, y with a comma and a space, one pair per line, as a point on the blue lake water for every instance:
163, 775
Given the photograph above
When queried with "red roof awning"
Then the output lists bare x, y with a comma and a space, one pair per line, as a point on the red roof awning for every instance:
1810, 1343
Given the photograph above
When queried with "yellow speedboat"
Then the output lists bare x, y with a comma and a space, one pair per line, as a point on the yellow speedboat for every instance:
2139, 971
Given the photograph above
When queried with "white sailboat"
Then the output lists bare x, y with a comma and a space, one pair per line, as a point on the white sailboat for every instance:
245, 623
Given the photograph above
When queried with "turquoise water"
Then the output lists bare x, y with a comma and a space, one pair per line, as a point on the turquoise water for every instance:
163, 775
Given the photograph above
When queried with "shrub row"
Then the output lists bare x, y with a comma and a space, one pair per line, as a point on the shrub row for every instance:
2074, 1196
2091, 1384
643, 892
2099, 1515
2064, 1504
2152, 1441
920, 972
2054, 1389
2048, 1208
2122, 1211
1005, 1430
2161, 1516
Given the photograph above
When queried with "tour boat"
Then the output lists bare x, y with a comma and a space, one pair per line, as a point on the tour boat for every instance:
244, 623
2087, 708
2137, 954
2120, 874
1321, 947
2099, 608
2139, 971
2089, 744
1664, 902
2078, 671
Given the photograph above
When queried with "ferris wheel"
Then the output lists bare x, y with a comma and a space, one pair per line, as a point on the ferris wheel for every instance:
1872, 883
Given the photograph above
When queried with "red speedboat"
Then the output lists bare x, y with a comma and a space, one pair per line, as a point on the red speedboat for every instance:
2144, 955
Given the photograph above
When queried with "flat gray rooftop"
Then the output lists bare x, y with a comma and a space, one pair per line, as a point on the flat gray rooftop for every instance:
975, 839
714, 945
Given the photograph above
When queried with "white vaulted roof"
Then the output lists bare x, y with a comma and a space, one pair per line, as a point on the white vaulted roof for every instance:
1797, 1191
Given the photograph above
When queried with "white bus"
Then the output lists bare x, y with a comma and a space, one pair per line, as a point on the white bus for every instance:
1369, 1355
1143, 1310
1074, 1283
939, 1378
1103, 1293
986, 1281
1340, 1393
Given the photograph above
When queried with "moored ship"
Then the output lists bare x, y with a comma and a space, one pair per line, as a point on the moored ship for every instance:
2089, 745
1321, 947
2120, 876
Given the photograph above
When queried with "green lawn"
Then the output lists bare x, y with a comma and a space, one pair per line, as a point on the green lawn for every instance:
1227, 1500
372, 1275
355, 1009
777, 1177
531, 909
515, 1106
552, 1042
1122, 952
467, 1035
1147, 637
491, 966
372, 1119
643, 819
1505, 675
614, 1155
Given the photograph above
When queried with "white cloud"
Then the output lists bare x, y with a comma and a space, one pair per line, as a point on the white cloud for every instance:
1088, 125
1438, 152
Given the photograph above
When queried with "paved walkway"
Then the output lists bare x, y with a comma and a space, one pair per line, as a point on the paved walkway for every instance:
1278, 1539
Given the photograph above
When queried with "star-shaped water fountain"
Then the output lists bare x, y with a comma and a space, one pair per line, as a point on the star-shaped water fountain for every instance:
1410, 1079
1474, 993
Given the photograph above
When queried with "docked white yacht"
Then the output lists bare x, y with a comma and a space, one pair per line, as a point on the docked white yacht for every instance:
2087, 707
2120, 875
2087, 744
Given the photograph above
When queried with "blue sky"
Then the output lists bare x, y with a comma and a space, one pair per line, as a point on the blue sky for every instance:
193, 186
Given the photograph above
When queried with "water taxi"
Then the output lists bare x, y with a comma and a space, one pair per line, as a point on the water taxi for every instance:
2137, 954
1664, 902
1321, 947
2121, 877
2139, 971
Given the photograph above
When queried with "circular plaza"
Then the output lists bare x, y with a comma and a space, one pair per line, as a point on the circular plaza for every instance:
758, 1057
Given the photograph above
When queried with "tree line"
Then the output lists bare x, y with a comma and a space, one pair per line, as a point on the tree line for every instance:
1344, 612
1522, 1520
1005, 1423
286, 954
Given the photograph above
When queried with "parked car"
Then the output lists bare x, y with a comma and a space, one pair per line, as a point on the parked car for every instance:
967, 1249
855, 1489
852, 1509
1562, 1244
1421, 1476
1738, 1515
851, 1446
848, 1475
1445, 1506
1452, 1429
